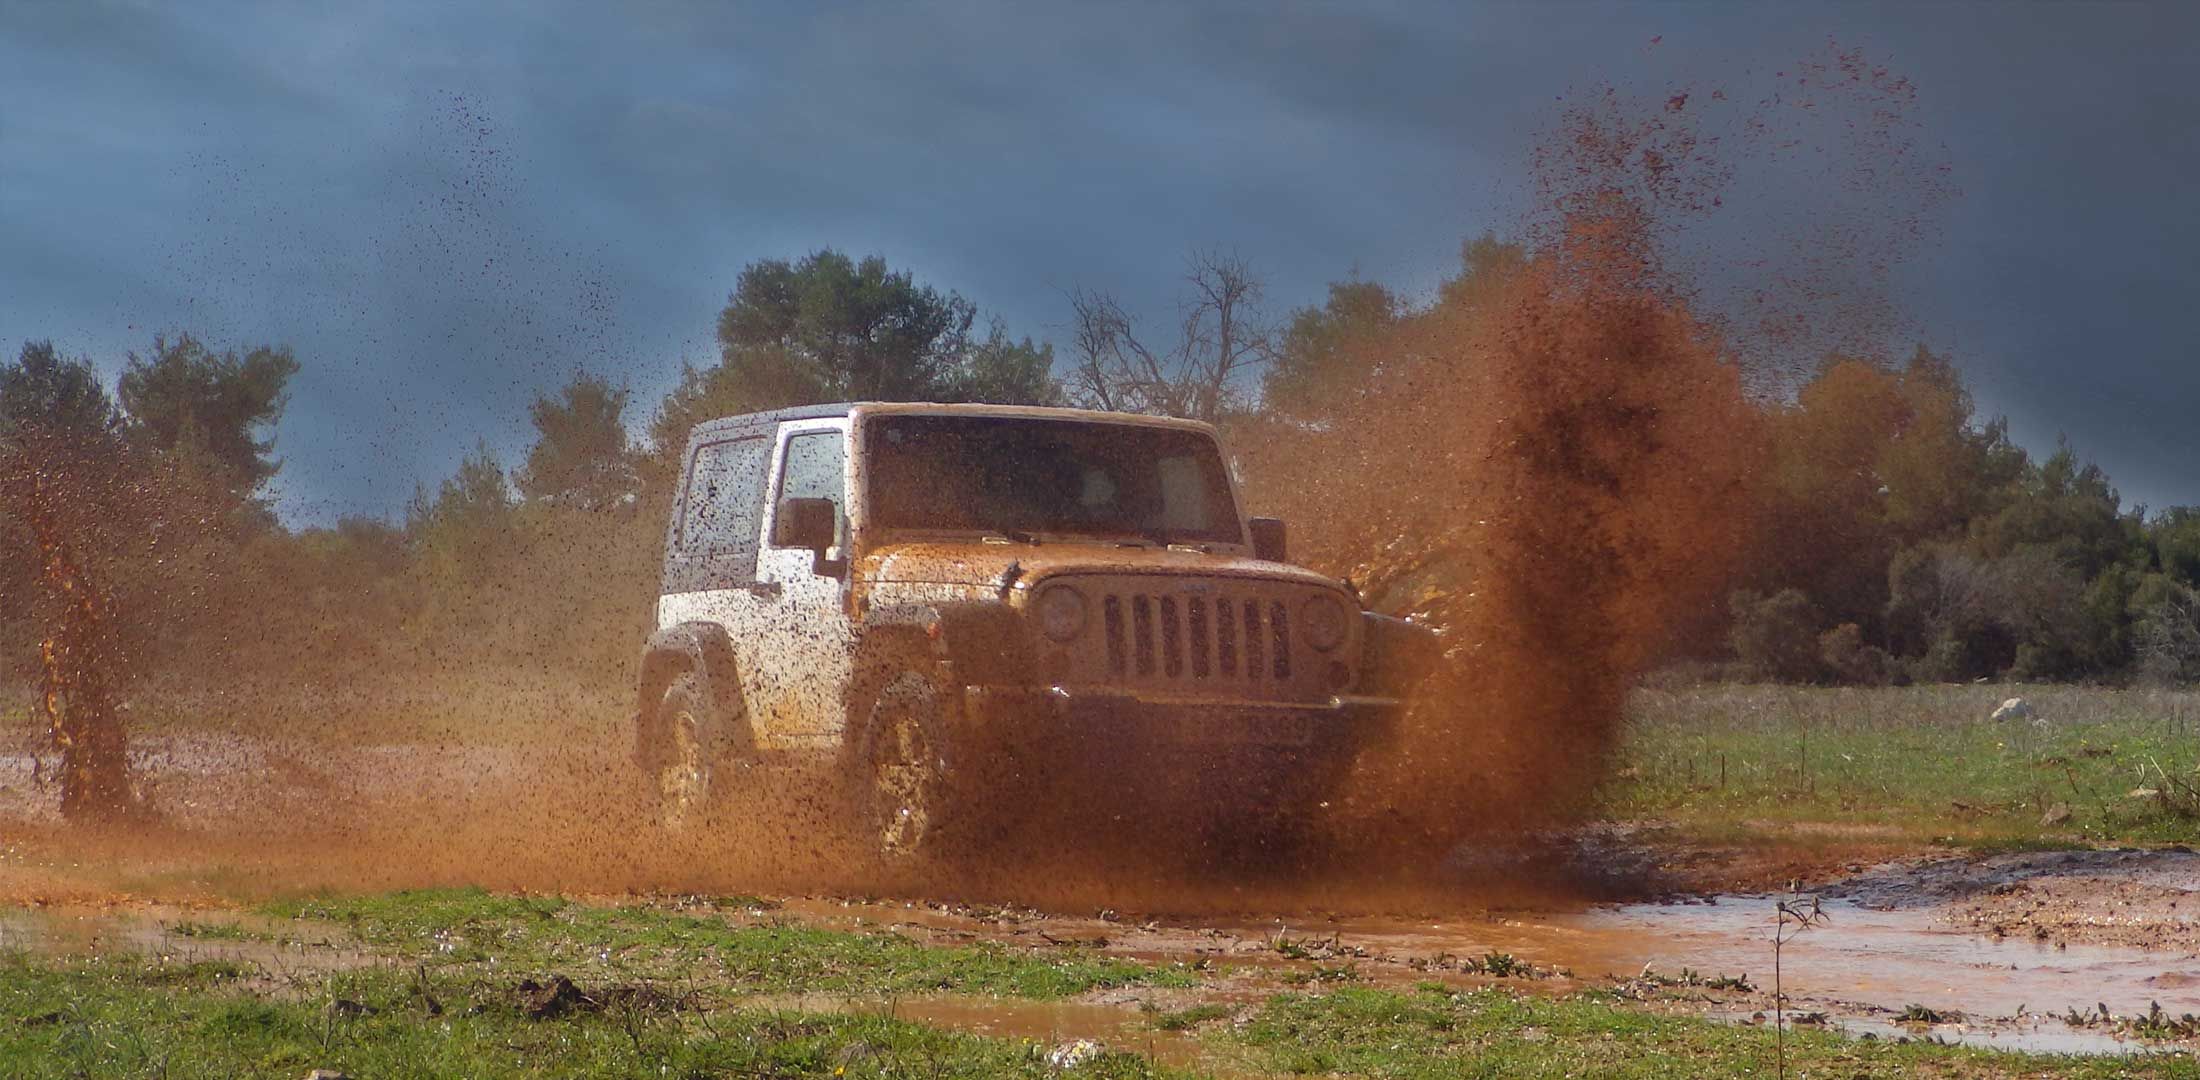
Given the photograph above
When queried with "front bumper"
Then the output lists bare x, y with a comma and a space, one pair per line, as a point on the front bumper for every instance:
1341, 723
1120, 756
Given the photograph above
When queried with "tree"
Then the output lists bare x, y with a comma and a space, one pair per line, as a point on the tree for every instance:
2174, 536
828, 328
580, 458
42, 387
2067, 506
1326, 352
215, 404
1222, 335
1868, 460
459, 537
2167, 630
63, 483
1486, 264
136, 517
468, 514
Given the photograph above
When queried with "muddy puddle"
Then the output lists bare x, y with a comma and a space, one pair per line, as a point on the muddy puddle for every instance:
2001, 948
275, 947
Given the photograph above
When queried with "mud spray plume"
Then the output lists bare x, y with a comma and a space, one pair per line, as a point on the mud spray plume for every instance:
1556, 461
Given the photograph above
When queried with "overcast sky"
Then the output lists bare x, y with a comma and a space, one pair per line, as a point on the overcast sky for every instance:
446, 208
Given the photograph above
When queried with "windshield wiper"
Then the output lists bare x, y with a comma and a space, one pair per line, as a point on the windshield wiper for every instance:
1011, 536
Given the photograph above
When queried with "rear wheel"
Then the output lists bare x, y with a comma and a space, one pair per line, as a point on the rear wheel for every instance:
687, 763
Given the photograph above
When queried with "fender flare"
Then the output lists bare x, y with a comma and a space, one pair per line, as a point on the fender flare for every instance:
981, 641
701, 647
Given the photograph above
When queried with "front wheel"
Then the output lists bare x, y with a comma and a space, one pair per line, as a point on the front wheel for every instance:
899, 772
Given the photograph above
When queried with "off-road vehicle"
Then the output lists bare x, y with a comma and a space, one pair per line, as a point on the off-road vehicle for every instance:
937, 601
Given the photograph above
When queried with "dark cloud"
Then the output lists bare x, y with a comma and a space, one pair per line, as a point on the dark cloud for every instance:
445, 210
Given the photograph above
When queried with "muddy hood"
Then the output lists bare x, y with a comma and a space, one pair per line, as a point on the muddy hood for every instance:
1023, 565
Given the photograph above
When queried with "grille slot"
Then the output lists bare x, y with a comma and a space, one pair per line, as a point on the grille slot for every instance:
1113, 608
1172, 637
1142, 633
1254, 646
1196, 616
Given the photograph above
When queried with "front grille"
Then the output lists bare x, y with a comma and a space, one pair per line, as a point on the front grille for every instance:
1170, 636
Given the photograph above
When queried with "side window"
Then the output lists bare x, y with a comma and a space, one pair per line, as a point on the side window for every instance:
816, 468
725, 490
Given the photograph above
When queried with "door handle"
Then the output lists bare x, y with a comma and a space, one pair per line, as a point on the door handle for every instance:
763, 590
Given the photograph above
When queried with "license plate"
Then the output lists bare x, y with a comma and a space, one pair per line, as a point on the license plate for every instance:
1249, 729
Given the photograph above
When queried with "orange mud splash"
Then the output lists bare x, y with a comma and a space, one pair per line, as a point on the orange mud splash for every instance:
1558, 461
1552, 464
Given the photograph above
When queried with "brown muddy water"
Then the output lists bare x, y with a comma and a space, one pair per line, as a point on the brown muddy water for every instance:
275, 947
1896, 936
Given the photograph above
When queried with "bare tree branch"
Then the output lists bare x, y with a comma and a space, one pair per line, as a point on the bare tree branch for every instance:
1222, 333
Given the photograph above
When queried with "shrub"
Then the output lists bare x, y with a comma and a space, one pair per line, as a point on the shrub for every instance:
1776, 637
1848, 658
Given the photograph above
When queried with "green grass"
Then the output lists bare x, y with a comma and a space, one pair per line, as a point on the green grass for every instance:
1921, 763
134, 1018
664, 994
468, 926
1438, 1033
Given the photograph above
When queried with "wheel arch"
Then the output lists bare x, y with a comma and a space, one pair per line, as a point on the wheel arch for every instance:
705, 648
981, 641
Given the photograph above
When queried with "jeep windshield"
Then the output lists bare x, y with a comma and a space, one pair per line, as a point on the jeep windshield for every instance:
1027, 478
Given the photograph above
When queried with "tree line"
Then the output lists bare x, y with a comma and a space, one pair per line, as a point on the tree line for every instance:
1883, 531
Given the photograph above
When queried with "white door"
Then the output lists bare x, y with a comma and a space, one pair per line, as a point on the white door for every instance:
805, 652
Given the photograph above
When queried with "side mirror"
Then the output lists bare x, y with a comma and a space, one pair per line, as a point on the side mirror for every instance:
1268, 538
811, 524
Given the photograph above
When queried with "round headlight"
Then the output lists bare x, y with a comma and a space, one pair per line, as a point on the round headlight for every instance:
1325, 619
1061, 612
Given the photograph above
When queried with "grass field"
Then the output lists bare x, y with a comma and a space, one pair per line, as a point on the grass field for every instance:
1920, 763
464, 984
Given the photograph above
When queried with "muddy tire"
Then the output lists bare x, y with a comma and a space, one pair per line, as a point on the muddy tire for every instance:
691, 758
898, 772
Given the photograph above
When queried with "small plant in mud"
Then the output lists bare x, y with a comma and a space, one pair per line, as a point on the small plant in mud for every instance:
1919, 1014
1495, 964
1790, 917
1310, 948
2157, 1023
1500, 965
1324, 974
1652, 979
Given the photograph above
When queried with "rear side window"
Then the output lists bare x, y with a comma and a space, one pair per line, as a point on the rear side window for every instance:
719, 513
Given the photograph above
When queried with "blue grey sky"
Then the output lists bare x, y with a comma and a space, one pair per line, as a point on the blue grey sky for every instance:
447, 208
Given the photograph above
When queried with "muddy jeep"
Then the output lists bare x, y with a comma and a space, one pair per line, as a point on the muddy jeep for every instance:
952, 608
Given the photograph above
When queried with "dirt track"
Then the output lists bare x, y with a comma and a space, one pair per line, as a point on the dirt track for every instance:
2003, 941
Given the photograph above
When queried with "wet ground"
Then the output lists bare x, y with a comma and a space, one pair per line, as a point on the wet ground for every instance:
2054, 951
